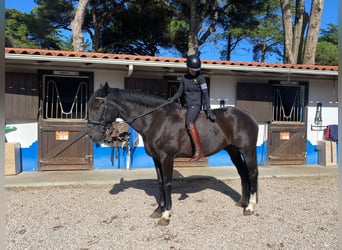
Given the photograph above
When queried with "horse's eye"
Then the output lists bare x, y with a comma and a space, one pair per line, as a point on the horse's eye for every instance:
98, 103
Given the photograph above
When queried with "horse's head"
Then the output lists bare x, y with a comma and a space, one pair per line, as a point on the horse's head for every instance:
101, 113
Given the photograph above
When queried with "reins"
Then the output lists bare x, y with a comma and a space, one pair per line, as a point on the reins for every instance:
148, 112
129, 121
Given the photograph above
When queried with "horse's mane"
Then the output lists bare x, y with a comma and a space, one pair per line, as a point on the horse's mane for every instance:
138, 97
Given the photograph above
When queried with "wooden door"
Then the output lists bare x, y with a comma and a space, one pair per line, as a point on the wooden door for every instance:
63, 143
287, 144
64, 146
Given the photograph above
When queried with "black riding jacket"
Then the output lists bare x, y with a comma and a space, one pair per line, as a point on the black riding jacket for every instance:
194, 89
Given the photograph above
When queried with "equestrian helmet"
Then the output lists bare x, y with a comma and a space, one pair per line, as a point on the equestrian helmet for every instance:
193, 63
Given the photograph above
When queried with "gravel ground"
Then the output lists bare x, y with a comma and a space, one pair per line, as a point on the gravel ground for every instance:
292, 213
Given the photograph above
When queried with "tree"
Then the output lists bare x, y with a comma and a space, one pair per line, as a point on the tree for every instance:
267, 36
16, 30
200, 17
30, 31
237, 20
140, 28
327, 47
102, 15
294, 32
312, 35
329, 35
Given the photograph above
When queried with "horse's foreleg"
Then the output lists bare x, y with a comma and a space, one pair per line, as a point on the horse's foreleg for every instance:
251, 164
167, 171
160, 198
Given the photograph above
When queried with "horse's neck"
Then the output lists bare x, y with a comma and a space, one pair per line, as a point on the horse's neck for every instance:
134, 114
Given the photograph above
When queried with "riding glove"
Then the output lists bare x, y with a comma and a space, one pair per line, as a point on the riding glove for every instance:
211, 115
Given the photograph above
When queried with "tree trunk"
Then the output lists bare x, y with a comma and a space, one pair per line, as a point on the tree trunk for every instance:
288, 31
312, 36
229, 47
193, 30
297, 31
76, 26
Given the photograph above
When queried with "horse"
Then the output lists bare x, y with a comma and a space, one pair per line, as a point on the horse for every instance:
162, 127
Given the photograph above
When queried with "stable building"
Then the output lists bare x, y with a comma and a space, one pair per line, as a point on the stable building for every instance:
47, 92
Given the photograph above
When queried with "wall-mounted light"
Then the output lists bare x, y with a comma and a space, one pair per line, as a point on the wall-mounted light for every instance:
318, 116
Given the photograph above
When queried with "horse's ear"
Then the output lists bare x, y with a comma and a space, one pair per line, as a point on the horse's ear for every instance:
105, 89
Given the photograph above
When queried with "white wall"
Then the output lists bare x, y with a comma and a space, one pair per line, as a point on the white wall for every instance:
26, 134
115, 79
222, 88
324, 91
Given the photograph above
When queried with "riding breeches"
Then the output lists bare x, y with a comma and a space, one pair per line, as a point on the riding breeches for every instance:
192, 114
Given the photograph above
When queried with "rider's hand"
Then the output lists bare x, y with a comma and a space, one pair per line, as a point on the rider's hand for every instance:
211, 115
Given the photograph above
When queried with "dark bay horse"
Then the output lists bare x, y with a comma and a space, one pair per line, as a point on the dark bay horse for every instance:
162, 127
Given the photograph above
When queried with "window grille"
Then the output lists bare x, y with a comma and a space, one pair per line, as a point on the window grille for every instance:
66, 103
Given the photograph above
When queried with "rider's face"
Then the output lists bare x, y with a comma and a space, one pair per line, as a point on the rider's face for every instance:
192, 72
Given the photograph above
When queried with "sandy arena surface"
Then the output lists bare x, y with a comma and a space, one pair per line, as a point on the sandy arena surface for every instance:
292, 213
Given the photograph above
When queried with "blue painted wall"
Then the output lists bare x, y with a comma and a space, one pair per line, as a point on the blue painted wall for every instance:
29, 158
139, 158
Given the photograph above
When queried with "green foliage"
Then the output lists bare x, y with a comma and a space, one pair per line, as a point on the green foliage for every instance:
58, 13
138, 29
326, 54
142, 27
327, 46
16, 30
267, 37
238, 19
329, 35
30, 31
179, 30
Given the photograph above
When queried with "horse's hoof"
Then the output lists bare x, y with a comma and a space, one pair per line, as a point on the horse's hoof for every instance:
248, 212
163, 222
240, 204
156, 215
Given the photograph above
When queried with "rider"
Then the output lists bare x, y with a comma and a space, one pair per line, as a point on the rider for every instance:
193, 87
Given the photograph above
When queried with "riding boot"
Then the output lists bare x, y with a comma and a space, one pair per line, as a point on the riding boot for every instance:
195, 138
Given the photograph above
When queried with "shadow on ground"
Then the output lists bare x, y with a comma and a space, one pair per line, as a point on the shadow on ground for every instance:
180, 185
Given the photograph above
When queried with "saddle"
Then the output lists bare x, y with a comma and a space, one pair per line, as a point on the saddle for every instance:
182, 111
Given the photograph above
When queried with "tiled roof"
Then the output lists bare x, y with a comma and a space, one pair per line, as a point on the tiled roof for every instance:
61, 53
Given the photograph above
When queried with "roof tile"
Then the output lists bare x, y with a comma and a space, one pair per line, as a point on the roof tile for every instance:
62, 53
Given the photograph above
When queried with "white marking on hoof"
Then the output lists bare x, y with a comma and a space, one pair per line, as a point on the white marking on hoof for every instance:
251, 204
166, 214
165, 219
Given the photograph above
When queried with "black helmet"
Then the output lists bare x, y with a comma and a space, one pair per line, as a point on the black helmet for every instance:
194, 63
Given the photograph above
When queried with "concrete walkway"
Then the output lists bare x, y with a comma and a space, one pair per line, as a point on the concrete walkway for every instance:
100, 177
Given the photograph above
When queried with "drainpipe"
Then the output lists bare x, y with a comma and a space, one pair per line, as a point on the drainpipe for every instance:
130, 70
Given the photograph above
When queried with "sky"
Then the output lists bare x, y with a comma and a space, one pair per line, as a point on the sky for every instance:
211, 51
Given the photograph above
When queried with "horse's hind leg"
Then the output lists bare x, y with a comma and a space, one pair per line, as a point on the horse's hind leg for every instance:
240, 165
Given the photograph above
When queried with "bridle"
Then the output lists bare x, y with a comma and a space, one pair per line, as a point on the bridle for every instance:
104, 123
